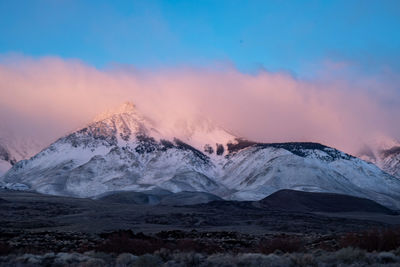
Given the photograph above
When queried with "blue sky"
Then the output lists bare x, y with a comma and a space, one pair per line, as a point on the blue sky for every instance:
275, 35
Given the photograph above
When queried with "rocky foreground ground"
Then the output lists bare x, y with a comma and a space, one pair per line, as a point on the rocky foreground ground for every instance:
40, 230
343, 257
180, 248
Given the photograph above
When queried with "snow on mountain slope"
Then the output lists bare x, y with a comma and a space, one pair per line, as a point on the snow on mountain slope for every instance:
123, 150
385, 153
263, 169
390, 160
197, 132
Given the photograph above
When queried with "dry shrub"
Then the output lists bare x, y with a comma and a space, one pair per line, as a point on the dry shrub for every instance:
147, 260
343, 256
93, 263
187, 258
387, 257
190, 245
300, 259
125, 259
4, 248
124, 242
373, 240
285, 244
139, 244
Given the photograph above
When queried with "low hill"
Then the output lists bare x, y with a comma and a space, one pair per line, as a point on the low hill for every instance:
300, 201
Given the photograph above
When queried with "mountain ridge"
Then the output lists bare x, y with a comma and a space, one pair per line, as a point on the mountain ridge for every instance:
385, 153
125, 151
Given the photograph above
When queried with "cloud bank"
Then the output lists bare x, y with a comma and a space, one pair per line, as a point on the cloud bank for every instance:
47, 97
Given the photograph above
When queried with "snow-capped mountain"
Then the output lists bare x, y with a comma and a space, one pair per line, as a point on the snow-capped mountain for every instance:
385, 153
263, 169
390, 160
123, 150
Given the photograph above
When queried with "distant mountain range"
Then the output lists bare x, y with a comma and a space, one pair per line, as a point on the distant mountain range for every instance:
124, 150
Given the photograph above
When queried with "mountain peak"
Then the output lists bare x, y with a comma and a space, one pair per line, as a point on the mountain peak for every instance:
127, 107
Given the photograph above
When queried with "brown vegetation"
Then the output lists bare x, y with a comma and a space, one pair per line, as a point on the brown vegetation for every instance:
282, 243
373, 240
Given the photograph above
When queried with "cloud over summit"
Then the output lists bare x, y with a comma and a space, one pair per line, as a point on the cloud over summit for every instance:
339, 106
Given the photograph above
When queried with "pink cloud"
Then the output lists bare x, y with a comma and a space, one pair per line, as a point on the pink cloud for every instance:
48, 97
